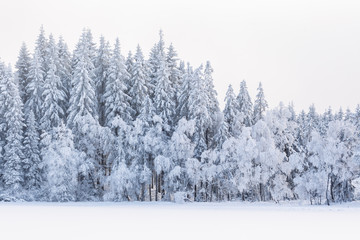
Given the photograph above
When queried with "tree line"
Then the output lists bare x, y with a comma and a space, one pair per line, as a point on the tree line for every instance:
93, 125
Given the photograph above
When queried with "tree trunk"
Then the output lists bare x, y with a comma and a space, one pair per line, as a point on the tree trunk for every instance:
150, 192
327, 190
195, 193
156, 187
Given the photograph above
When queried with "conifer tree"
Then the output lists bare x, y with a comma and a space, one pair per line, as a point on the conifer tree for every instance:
197, 107
22, 71
186, 87
174, 72
13, 157
260, 105
53, 96
82, 96
138, 79
117, 102
164, 92
34, 90
33, 169
102, 65
231, 112
41, 47
245, 104
129, 63
64, 72
213, 104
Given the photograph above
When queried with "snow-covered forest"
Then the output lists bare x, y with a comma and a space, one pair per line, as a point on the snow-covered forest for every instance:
94, 125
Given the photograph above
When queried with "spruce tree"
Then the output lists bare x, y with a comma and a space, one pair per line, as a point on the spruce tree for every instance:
164, 92
231, 110
34, 90
22, 71
260, 105
53, 96
13, 172
197, 107
41, 46
139, 89
186, 87
33, 169
82, 96
245, 104
174, 72
117, 102
64, 72
102, 65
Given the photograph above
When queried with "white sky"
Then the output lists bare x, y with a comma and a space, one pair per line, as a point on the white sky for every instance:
302, 51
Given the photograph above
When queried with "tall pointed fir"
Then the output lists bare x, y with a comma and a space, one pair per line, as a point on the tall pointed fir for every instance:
33, 170
157, 54
174, 72
163, 96
53, 91
129, 63
117, 102
138, 79
245, 104
231, 110
91, 46
41, 47
2, 118
213, 104
11, 104
186, 86
197, 107
260, 105
64, 71
34, 90
102, 65
22, 71
82, 96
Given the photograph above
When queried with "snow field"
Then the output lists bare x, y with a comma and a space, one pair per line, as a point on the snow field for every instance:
178, 221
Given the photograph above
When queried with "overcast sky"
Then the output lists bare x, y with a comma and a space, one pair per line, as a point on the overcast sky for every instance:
302, 51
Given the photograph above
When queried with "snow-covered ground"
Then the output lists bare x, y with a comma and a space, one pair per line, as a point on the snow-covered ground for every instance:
234, 220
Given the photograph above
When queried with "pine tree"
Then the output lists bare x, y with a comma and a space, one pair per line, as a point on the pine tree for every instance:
197, 107
129, 63
157, 55
163, 96
22, 73
231, 112
82, 97
117, 102
33, 177
35, 88
210, 89
245, 104
186, 87
102, 70
349, 115
174, 72
64, 71
340, 115
53, 96
260, 105
13, 173
139, 89
213, 104
41, 47
222, 134
147, 111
